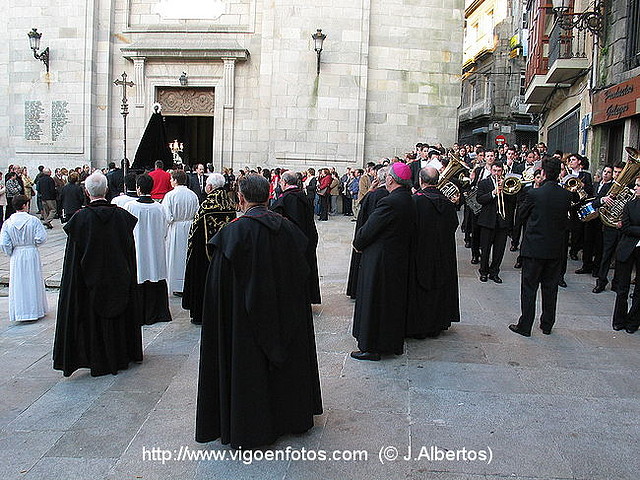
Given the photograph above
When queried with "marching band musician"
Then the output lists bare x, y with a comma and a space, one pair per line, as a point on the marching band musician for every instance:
577, 166
610, 235
493, 223
472, 232
628, 256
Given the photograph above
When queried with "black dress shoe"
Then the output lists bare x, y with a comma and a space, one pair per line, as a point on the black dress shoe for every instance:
495, 278
617, 328
573, 256
467, 244
546, 331
475, 260
513, 248
518, 265
598, 288
358, 355
631, 329
483, 278
196, 322
514, 328
583, 270
562, 283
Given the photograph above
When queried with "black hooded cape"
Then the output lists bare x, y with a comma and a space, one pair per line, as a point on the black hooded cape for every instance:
433, 283
153, 146
98, 320
258, 367
380, 313
367, 206
295, 206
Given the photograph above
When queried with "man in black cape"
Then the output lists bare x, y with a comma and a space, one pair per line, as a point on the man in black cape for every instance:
215, 212
433, 302
380, 313
258, 367
367, 206
98, 321
153, 145
295, 206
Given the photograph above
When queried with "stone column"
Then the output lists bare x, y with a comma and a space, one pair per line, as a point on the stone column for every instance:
138, 79
228, 83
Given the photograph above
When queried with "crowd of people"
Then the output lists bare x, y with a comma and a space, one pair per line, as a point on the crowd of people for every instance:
213, 238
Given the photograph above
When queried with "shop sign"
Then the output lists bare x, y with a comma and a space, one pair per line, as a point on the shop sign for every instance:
619, 101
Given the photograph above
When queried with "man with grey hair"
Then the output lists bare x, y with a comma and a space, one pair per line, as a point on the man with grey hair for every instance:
433, 281
295, 206
215, 212
98, 320
258, 367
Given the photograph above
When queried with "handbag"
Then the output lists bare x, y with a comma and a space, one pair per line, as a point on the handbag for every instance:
323, 191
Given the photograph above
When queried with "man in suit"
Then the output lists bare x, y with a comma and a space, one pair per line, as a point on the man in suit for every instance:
628, 256
197, 182
546, 210
578, 166
493, 224
482, 171
610, 235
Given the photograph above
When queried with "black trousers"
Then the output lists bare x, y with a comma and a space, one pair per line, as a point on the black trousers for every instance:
544, 273
622, 317
347, 205
577, 233
610, 237
591, 231
518, 225
492, 244
324, 207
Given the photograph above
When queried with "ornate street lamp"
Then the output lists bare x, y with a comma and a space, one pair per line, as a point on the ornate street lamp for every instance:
34, 43
183, 79
318, 39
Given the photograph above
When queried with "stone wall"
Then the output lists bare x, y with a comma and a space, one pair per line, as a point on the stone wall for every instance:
389, 77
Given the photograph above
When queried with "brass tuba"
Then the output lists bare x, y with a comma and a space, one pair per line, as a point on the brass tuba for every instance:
610, 216
454, 169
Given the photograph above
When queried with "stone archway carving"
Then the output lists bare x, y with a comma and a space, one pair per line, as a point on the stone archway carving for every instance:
191, 101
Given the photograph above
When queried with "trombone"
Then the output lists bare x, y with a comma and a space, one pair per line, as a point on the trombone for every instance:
500, 196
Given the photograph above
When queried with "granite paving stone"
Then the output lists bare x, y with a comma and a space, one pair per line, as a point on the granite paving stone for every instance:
557, 407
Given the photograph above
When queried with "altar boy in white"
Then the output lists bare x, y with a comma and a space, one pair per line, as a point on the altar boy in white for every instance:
181, 205
19, 238
150, 234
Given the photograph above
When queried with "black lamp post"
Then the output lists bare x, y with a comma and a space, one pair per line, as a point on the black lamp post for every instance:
318, 39
34, 43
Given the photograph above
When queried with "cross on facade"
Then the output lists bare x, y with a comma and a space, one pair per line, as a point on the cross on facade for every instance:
124, 111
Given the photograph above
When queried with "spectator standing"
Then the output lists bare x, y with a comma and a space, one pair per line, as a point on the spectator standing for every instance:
47, 189
161, 181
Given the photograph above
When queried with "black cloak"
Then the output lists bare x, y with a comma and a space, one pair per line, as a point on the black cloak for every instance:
295, 206
367, 206
380, 314
433, 283
216, 211
153, 146
98, 320
258, 367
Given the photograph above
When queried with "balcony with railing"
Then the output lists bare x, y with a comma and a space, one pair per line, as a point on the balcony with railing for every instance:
567, 53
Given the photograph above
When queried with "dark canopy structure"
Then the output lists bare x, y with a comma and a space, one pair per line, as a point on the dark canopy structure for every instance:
153, 145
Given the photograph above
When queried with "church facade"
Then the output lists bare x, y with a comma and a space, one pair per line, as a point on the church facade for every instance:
239, 81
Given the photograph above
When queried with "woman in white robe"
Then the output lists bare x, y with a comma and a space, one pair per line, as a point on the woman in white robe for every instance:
19, 238
181, 205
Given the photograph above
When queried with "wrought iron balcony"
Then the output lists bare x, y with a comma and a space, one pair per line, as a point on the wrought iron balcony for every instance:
567, 52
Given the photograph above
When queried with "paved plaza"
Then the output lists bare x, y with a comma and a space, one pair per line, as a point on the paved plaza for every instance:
564, 406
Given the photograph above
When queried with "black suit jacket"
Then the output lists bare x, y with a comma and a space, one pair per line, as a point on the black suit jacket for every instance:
520, 167
547, 211
488, 216
597, 203
194, 185
587, 181
630, 230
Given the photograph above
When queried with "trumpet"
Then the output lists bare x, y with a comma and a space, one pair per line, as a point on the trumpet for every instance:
572, 183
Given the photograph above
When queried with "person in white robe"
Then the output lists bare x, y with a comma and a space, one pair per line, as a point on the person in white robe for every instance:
19, 238
150, 235
181, 205
130, 195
